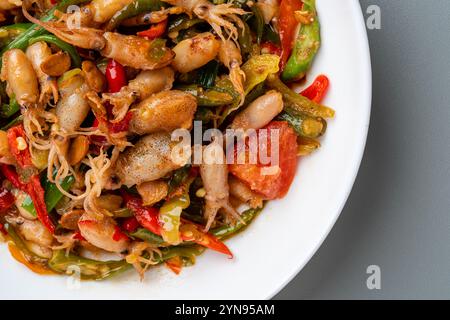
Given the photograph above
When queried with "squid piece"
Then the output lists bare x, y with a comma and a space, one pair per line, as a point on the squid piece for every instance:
36, 237
230, 56
218, 16
260, 112
72, 108
20, 77
214, 174
132, 51
34, 231
149, 159
37, 53
103, 233
164, 111
192, 53
143, 86
137, 52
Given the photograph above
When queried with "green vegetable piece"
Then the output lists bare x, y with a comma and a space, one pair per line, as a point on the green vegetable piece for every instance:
229, 230
89, 269
298, 102
147, 236
189, 252
207, 98
256, 70
52, 195
10, 109
245, 39
169, 215
12, 123
133, 9
178, 177
258, 23
10, 32
157, 49
304, 126
182, 22
17, 27
271, 35
207, 74
50, 38
123, 213
21, 42
305, 48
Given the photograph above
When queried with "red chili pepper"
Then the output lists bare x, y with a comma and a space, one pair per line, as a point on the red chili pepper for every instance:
11, 175
269, 47
287, 26
22, 156
147, 217
3, 230
36, 192
33, 187
97, 141
155, 31
175, 264
130, 224
77, 236
6, 199
118, 234
207, 240
122, 125
115, 76
317, 90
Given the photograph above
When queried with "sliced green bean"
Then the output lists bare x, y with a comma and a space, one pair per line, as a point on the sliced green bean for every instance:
298, 102
52, 195
9, 109
306, 46
183, 22
147, 236
13, 122
133, 9
209, 97
305, 126
88, 269
21, 42
229, 230
258, 23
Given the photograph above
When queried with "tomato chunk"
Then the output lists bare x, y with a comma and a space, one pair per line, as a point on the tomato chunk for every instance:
272, 183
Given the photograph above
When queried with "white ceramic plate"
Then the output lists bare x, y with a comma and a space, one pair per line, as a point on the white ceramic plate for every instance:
285, 236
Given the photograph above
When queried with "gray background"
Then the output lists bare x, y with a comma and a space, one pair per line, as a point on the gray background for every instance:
397, 215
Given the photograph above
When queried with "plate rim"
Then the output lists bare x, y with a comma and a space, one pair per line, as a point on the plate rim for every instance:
367, 86
365, 70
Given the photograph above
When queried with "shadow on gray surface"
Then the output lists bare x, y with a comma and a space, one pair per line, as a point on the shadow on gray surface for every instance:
397, 214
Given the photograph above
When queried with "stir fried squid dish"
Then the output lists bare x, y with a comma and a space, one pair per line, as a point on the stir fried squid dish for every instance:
92, 93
